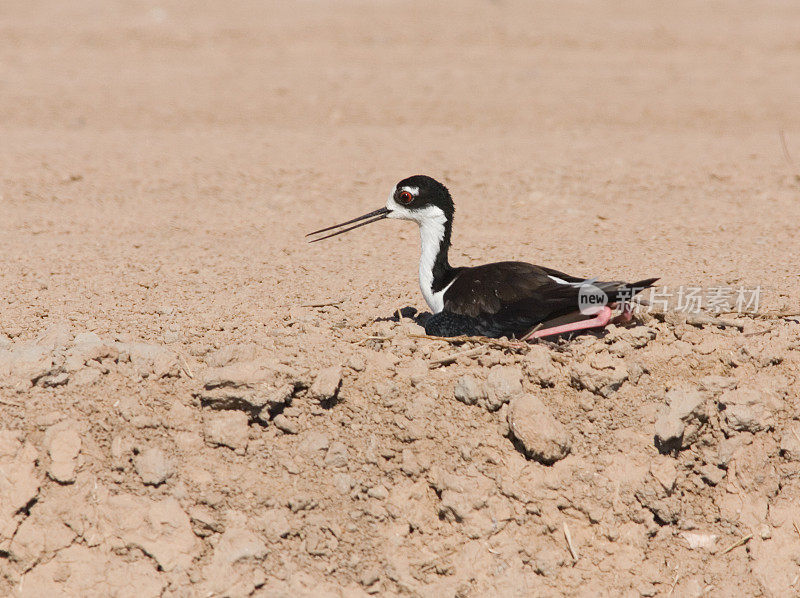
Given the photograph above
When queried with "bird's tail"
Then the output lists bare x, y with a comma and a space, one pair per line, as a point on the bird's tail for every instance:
624, 290
642, 284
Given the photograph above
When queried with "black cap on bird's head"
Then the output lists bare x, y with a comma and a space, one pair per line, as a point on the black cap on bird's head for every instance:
419, 198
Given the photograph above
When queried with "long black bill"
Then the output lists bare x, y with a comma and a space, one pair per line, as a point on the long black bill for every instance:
373, 217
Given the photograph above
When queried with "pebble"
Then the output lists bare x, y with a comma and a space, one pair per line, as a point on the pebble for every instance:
790, 443
748, 410
153, 466
409, 464
337, 455
542, 436
469, 390
679, 426
343, 483
639, 336
246, 386
540, 366
503, 384
716, 385
417, 372
315, 441
227, 428
380, 492
357, 363
326, 384
370, 576
603, 382
204, 521
711, 474
64, 445
275, 524
668, 432
284, 424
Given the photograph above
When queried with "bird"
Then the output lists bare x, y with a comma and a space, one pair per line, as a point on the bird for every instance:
502, 299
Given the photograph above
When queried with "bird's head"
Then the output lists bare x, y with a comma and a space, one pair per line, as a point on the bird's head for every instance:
418, 198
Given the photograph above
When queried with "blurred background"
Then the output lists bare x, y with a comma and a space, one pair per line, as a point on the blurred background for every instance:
172, 135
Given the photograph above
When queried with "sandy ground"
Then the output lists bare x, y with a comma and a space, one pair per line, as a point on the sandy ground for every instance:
177, 420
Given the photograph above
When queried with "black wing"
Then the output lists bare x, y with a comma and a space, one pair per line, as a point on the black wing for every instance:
518, 294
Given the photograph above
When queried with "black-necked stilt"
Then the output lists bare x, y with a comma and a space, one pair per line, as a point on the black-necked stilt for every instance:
500, 299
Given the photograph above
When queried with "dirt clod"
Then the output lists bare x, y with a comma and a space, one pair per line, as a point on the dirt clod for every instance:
542, 437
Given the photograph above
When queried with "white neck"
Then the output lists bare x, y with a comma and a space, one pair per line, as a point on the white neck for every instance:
431, 221
431, 233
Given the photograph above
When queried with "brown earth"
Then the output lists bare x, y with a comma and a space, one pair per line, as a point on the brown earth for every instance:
179, 420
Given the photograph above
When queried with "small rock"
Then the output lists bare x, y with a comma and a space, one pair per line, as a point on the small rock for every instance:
699, 540
343, 482
274, 524
541, 435
716, 385
380, 492
315, 441
547, 562
370, 576
278, 398
227, 428
540, 366
284, 424
153, 466
748, 410
657, 492
603, 382
680, 425
665, 473
204, 521
635, 371
504, 384
55, 380
87, 347
409, 463
326, 384
790, 443
64, 445
247, 386
417, 372
357, 363
711, 474
669, 432
469, 390
337, 455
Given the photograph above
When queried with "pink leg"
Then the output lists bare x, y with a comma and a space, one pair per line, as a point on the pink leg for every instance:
626, 315
601, 319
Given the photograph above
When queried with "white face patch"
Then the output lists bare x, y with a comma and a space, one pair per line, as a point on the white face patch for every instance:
431, 221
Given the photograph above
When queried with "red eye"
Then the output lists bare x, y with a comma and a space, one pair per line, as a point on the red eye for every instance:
405, 197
